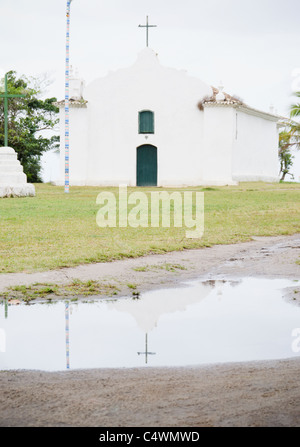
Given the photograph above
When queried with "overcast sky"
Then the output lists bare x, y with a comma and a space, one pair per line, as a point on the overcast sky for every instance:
251, 45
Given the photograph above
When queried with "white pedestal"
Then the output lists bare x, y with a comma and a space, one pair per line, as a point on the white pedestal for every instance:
13, 181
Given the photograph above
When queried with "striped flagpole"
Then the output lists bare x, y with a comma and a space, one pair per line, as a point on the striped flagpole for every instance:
67, 102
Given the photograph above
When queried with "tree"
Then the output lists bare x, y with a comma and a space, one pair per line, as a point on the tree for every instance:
285, 156
289, 139
29, 119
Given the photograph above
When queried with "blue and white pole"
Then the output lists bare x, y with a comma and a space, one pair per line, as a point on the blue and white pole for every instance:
67, 102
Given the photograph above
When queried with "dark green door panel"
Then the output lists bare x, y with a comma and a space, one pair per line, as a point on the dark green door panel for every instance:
146, 168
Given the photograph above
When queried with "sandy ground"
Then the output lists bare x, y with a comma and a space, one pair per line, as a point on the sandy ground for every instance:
246, 394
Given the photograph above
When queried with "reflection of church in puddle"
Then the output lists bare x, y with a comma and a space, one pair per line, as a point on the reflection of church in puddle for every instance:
154, 309
125, 332
148, 310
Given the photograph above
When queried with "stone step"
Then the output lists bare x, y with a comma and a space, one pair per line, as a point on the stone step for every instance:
8, 158
13, 181
13, 178
10, 168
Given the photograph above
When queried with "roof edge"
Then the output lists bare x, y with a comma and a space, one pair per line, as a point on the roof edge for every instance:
72, 103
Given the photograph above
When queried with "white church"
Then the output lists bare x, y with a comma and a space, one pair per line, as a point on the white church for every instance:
150, 125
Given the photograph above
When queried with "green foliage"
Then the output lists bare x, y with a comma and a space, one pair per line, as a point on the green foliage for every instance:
29, 119
285, 156
289, 139
295, 108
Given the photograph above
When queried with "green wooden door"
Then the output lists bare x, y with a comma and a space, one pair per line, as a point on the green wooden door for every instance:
146, 172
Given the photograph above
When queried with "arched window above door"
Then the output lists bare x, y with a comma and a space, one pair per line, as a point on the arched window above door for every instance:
146, 121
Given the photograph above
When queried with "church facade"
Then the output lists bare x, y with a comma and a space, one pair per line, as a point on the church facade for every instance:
149, 125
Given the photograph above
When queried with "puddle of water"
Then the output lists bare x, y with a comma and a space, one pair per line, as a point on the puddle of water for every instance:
201, 323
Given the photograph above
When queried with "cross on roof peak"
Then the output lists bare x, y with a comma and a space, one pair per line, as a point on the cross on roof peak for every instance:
147, 26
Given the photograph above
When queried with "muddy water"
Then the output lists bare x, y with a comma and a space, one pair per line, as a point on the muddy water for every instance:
202, 322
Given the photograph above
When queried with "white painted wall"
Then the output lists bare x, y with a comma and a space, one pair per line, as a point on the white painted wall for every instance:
255, 149
78, 145
218, 145
51, 167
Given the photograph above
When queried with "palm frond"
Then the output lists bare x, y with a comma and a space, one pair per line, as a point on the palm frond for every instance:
295, 110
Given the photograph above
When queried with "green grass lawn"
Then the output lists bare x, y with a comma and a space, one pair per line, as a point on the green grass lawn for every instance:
54, 229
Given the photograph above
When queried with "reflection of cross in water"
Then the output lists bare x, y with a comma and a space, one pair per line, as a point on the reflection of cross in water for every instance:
146, 353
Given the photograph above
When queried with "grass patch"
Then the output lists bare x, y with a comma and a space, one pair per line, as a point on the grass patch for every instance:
88, 288
209, 189
55, 230
145, 268
132, 286
49, 292
172, 267
166, 266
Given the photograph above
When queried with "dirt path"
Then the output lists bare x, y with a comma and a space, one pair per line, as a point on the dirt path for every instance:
248, 394
258, 394
265, 257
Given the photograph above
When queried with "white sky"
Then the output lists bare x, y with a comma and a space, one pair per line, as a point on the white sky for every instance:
251, 45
